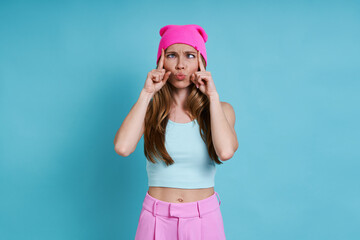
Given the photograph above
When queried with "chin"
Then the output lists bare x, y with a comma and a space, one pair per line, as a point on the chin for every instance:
180, 83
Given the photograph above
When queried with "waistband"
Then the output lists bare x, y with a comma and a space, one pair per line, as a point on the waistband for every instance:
189, 209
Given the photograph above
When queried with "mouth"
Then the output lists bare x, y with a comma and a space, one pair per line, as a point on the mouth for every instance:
180, 76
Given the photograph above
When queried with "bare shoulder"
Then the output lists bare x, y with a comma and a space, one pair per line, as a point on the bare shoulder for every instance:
229, 112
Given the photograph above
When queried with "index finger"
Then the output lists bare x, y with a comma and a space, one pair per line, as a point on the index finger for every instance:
161, 61
201, 65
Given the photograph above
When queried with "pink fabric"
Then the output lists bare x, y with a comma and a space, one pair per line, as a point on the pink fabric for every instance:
192, 34
200, 220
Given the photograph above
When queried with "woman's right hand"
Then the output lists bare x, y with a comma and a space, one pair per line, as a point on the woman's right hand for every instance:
157, 78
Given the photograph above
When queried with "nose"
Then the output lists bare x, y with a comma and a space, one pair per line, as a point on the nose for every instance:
180, 63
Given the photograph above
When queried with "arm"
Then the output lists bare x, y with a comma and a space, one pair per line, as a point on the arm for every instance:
222, 128
132, 128
222, 116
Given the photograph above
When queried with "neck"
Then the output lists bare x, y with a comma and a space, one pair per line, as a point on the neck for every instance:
180, 95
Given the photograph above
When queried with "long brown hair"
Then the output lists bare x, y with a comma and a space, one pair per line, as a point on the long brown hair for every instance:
197, 105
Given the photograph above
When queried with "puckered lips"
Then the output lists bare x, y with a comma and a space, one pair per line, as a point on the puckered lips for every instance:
180, 76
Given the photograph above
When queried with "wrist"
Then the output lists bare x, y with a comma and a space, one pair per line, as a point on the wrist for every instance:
146, 95
214, 96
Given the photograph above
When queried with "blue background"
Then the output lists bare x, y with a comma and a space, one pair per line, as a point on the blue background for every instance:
71, 70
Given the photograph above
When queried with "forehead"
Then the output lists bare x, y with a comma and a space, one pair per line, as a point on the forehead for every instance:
180, 47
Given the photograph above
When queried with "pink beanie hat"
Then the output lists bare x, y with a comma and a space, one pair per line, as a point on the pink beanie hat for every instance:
191, 34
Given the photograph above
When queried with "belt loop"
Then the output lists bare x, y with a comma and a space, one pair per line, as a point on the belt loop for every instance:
198, 208
170, 208
218, 197
154, 208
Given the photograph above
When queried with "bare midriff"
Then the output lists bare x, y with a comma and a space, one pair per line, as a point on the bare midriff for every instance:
180, 195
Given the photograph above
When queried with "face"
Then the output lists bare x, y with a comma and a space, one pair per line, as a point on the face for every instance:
181, 58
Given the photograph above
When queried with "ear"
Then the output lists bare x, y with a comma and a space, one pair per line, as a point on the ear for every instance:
165, 28
201, 31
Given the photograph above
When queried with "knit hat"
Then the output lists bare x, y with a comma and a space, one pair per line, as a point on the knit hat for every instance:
191, 34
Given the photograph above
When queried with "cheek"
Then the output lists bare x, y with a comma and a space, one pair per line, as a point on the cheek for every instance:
167, 65
195, 69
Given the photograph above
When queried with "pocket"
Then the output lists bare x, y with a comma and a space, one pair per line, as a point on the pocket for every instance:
145, 228
142, 229
212, 225
141, 214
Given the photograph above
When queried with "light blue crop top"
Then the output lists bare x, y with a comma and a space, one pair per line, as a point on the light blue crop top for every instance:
192, 168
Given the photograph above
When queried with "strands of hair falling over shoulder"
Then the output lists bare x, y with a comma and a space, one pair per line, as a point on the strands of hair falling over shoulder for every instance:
198, 107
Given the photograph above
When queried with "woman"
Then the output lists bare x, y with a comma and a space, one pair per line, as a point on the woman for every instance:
186, 129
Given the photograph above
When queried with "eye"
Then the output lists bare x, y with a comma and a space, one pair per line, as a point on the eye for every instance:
187, 54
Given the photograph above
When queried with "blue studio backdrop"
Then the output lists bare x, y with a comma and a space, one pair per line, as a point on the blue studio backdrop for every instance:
71, 70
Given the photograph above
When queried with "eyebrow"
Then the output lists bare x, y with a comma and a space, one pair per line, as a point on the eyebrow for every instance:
185, 52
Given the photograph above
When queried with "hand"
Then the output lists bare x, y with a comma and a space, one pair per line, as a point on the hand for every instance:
157, 78
203, 79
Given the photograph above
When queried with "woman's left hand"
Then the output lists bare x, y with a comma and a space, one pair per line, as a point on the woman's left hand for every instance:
203, 79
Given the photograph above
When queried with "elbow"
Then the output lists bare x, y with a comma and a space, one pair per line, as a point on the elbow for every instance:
122, 151
227, 155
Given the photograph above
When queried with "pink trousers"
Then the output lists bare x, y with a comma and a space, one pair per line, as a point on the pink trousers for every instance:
200, 220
